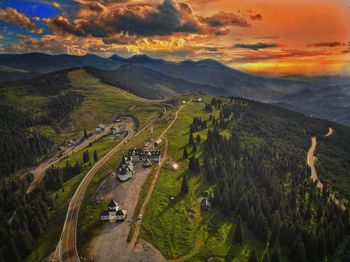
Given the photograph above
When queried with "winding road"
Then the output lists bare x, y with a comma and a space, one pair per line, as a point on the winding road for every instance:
311, 163
67, 249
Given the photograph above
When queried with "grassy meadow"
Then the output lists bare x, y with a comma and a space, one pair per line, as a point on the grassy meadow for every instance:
179, 228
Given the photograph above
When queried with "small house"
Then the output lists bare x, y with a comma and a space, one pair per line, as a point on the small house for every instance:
158, 142
110, 213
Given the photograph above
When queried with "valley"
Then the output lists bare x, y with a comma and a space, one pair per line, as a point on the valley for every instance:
229, 160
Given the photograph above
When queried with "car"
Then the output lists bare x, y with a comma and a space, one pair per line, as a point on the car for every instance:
140, 216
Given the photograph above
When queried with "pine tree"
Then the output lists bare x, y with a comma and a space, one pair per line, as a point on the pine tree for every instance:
87, 155
36, 227
184, 185
185, 153
194, 149
13, 253
194, 164
275, 254
299, 252
266, 256
243, 207
198, 138
253, 256
251, 219
95, 156
191, 142
84, 157
238, 237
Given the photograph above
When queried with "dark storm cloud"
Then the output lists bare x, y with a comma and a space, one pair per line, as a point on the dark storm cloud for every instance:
126, 23
225, 19
256, 46
140, 20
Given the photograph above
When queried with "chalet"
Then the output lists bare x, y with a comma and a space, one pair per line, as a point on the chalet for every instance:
110, 213
113, 213
126, 169
134, 154
140, 155
205, 204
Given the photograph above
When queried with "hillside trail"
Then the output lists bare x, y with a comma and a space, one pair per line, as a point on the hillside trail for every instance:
311, 158
154, 181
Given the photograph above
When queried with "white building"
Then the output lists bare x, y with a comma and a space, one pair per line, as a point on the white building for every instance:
113, 213
140, 155
110, 214
126, 169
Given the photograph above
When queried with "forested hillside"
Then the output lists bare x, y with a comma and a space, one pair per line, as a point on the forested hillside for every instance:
22, 144
267, 183
250, 161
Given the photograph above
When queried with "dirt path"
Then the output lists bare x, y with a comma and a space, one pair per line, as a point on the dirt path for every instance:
311, 163
154, 181
330, 132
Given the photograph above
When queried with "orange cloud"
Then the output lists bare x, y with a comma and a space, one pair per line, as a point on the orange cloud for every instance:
11, 15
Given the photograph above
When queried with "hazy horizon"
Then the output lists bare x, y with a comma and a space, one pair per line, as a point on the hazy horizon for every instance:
290, 38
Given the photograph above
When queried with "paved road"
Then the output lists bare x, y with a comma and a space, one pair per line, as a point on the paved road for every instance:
154, 181
67, 249
39, 172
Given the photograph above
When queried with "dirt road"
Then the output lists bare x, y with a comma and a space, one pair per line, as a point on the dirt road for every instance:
311, 163
154, 181
67, 249
330, 132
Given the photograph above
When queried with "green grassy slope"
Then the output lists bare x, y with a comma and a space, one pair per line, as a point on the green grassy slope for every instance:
179, 228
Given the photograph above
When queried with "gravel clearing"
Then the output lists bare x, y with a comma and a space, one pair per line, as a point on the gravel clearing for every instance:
111, 243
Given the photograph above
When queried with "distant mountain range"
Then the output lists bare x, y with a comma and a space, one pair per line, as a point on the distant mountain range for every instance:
326, 97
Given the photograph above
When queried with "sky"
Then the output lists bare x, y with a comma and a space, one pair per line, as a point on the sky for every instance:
261, 36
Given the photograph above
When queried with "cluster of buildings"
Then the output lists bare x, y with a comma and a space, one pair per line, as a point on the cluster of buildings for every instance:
113, 213
126, 167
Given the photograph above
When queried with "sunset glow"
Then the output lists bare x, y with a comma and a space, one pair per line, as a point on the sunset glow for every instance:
270, 36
